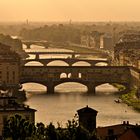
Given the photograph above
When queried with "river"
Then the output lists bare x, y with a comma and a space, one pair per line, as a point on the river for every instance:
70, 97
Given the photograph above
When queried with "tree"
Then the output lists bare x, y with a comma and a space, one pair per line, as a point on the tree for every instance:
18, 128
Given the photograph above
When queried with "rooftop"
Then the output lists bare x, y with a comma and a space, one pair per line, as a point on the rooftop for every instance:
87, 110
9, 103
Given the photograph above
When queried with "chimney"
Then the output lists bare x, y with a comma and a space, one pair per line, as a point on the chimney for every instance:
124, 122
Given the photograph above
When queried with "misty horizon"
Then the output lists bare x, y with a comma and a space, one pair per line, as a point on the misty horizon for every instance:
63, 11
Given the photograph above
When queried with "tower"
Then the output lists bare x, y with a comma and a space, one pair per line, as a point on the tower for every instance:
87, 118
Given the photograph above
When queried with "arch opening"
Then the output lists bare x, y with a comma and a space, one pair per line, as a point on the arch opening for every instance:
31, 56
24, 46
69, 75
71, 87
101, 64
34, 63
57, 63
35, 46
80, 75
81, 63
120, 87
110, 88
63, 75
34, 87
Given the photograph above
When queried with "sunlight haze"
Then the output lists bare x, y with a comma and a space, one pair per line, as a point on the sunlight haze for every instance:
64, 10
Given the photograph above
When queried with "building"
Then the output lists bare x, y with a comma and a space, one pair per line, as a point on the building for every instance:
124, 131
9, 107
88, 41
91, 40
87, 118
131, 134
14, 43
115, 132
106, 42
127, 49
9, 67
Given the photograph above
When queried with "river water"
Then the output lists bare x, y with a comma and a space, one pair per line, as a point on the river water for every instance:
70, 97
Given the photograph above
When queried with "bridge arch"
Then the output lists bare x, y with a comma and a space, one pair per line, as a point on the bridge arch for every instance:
110, 87
81, 63
57, 63
34, 86
66, 87
101, 64
63, 75
33, 63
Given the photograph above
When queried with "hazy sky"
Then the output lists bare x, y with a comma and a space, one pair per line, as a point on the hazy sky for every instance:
64, 10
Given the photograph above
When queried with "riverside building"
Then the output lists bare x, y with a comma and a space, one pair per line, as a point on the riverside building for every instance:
9, 67
10, 107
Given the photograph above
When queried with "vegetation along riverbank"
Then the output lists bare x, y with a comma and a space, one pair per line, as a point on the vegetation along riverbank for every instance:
130, 98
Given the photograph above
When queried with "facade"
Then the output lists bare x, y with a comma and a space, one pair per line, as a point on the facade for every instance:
9, 107
9, 67
91, 40
131, 134
114, 132
124, 131
127, 50
88, 41
106, 42
127, 53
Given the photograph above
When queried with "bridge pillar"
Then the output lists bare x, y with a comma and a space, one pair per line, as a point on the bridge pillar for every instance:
70, 63
37, 56
91, 88
28, 45
73, 56
50, 88
93, 64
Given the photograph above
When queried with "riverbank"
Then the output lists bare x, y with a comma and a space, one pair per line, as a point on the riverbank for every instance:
129, 98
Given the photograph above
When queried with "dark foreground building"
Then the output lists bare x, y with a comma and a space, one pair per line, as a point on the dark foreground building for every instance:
9, 107
124, 131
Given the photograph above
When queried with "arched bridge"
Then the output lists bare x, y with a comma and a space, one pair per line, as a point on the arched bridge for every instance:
28, 43
69, 61
51, 76
71, 54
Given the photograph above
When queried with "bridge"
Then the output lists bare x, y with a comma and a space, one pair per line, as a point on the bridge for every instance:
72, 54
51, 76
68, 61
28, 43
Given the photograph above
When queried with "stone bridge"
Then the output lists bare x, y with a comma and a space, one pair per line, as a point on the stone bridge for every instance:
71, 54
68, 61
40, 43
51, 76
